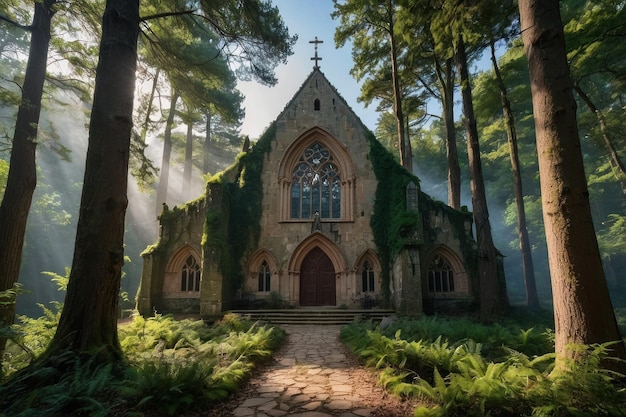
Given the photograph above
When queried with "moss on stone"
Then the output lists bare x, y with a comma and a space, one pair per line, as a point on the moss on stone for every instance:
458, 220
169, 216
242, 197
392, 224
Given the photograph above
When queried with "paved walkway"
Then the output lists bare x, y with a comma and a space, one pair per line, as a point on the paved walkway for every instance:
312, 375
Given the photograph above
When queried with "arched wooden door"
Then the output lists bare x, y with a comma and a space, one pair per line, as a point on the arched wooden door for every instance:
317, 280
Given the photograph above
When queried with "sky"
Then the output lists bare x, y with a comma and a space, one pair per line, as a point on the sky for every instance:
307, 19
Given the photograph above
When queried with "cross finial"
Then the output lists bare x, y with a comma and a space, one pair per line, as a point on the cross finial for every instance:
316, 58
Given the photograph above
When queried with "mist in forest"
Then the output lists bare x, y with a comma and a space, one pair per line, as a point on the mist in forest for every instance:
51, 229
504, 237
52, 224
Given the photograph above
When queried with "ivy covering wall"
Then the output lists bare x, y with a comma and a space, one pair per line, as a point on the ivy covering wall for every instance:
235, 227
392, 224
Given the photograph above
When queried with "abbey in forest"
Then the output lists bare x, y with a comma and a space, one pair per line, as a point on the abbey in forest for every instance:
316, 213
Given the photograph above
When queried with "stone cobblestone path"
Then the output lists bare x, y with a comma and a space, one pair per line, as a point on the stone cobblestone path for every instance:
313, 375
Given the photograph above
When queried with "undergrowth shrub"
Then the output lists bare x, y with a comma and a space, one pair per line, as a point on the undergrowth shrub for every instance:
172, 366
471, 369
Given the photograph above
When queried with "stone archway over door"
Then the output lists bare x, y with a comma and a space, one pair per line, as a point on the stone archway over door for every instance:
317, 280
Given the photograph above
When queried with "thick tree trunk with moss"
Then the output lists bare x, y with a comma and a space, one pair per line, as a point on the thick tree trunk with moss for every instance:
492, 290
532, 299
583, 312
88, 323
22, 177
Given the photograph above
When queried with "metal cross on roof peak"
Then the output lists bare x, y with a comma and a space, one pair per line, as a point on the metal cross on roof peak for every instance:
316, 58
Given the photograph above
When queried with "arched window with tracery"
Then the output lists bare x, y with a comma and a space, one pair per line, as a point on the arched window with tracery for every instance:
190, 275
367, 278
316, 185
265, 277
440, 275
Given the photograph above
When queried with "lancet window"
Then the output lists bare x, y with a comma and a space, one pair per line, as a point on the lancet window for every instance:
190, 275
264, 277
367, 278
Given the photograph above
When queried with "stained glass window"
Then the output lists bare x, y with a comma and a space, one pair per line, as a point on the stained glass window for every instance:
316, 185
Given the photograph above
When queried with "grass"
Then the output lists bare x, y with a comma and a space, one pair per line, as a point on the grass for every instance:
173, 367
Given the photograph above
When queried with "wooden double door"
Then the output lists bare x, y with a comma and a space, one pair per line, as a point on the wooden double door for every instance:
317, 280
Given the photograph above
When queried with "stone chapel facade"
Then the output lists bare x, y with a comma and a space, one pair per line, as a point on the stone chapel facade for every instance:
312, 240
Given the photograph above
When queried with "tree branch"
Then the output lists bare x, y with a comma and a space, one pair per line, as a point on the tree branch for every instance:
14, 23
167, 14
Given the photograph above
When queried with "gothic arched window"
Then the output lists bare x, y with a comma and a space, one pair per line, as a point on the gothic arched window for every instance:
440, 275
264, 277
316, 104
190, 275
316, 185
367, 278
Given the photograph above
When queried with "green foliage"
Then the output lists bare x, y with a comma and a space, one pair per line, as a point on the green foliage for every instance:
66, 385
172, 366
232, 235
4, 172
392, 224
469, 378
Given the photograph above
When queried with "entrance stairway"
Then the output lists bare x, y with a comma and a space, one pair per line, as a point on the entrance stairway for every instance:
314, 315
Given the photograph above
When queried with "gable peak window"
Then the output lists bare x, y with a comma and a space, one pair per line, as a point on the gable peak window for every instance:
190, 275
316, 185
316, 104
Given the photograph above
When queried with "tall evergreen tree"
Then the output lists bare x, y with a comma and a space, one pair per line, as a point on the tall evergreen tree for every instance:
492, 289
532, 298
22, 176
583, 311
431, 68
451, 26
372, 26
88, 323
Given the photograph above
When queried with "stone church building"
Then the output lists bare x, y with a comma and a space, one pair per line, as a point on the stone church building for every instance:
318, 214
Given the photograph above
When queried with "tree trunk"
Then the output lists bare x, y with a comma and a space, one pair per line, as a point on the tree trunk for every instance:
406, 157
88, 323
146, 120
447, 104
616, 161
206, 154
22, 177
161, 196
532, 299
583, 312
188, 160
492, 290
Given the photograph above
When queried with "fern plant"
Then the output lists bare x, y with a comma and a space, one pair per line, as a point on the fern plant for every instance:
465, 379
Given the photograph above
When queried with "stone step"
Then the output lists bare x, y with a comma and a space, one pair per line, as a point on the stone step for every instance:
314, 316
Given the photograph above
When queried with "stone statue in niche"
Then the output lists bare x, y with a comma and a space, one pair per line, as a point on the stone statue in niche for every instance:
317, 224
